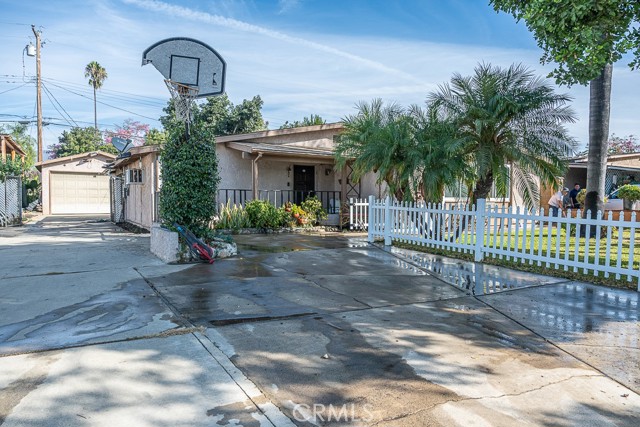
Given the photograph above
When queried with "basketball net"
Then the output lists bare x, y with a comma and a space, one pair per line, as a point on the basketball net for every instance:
183, 96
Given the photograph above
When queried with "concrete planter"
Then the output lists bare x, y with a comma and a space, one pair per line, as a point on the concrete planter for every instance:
165, 244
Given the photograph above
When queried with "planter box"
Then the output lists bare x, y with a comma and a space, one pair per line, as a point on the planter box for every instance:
165, 244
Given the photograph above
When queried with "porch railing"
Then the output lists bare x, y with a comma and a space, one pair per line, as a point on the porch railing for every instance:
330, 200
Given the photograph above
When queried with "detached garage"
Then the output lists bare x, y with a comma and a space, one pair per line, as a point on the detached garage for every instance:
76, 185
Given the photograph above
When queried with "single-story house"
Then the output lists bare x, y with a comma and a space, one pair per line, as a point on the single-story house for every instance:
621, 169
276, 165
77, 184
10, 149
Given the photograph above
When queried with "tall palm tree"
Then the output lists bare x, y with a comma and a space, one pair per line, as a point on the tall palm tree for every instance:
97, 75
508, 116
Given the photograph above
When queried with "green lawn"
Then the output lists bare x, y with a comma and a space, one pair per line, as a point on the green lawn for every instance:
550, 242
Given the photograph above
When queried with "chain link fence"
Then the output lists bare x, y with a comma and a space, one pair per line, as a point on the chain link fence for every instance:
10, 201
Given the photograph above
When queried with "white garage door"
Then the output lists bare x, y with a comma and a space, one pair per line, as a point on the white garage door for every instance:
79, 193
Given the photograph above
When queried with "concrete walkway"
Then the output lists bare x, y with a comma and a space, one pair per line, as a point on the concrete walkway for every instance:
85, 341
327, 330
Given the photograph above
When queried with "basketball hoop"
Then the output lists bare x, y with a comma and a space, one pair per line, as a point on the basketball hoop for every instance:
183, 96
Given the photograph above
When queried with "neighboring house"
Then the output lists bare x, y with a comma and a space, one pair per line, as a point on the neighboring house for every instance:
621, 169
10, 149
76, 184
135, 186
276, 165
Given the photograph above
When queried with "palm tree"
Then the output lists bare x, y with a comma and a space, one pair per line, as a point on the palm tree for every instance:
97, 75
508, 116
376, 139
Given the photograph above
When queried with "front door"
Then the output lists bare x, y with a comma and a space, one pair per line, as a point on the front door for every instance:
304, 182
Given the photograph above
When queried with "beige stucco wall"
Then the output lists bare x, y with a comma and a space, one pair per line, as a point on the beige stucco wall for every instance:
89, 165
139, 203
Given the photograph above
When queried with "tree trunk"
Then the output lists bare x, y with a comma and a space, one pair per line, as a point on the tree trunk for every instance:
95, 110
599, 113
483, 188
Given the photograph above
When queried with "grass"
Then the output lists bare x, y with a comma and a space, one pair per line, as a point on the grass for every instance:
552, 243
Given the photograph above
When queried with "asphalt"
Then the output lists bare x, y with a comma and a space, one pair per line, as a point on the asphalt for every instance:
301, 330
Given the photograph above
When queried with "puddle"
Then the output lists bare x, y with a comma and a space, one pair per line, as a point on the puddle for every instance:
267, 249
475, 278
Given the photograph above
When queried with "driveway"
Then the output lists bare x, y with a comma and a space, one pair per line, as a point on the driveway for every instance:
304, 330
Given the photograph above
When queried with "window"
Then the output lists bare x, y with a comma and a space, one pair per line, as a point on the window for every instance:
134, 176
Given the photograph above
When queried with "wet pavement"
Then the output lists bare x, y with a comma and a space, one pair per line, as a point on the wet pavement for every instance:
398, 337
302, 330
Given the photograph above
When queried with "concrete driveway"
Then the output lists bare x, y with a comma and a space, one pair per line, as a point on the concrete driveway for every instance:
327, 330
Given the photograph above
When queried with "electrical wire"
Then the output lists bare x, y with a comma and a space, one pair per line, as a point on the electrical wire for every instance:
104, 103
55, 101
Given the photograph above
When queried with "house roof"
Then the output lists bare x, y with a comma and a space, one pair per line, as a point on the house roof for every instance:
281, 149
73, 158
12, 145
610, 157
580, 165
135, 154
278, 132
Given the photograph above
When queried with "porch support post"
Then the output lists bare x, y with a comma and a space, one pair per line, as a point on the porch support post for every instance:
254, 175
4, 149
343, 194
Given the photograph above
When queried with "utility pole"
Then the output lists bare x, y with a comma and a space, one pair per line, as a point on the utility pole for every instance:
39, 93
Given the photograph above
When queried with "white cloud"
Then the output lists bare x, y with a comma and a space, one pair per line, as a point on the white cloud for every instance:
296, 74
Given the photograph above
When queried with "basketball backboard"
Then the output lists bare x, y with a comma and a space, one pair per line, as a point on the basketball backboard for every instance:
189, 62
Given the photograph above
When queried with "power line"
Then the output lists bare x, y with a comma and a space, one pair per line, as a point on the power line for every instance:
50, 95
117, 95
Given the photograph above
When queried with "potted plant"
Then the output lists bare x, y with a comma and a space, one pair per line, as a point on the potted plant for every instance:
630, 194
299, 214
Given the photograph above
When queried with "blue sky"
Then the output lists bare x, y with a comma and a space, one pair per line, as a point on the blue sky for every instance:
301, 56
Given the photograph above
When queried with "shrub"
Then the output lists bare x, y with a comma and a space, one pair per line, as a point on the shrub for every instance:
189, 178
630, 193
262, 214
10, 168
232, 217
581, 196
314, 211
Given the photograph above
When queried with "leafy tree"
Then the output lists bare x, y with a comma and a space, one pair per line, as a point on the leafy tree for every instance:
79, 140
312, 120
155, 137
96, 75
508, 116
222, 117
130, 129
189, 177
20, 134
584, 38
623, 145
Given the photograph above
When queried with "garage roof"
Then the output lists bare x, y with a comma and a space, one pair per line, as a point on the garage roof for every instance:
74, 158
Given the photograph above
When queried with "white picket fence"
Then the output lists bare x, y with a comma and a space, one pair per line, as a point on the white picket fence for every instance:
600, 247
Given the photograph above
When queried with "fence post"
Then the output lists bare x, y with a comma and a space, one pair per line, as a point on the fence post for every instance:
480, 215
387, 221
371, 215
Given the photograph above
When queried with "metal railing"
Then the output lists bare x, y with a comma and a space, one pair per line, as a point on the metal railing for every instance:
330, 200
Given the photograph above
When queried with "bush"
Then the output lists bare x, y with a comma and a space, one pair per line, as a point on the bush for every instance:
10, 168
631, 193
262, 214
189, 178
314, 211
232, 217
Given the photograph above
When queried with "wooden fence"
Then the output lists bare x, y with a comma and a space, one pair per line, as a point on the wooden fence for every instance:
601, 247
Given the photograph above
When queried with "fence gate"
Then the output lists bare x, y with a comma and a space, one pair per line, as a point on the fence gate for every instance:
116, 185
10, 201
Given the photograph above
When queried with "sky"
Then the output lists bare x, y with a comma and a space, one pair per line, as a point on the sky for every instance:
302, 57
